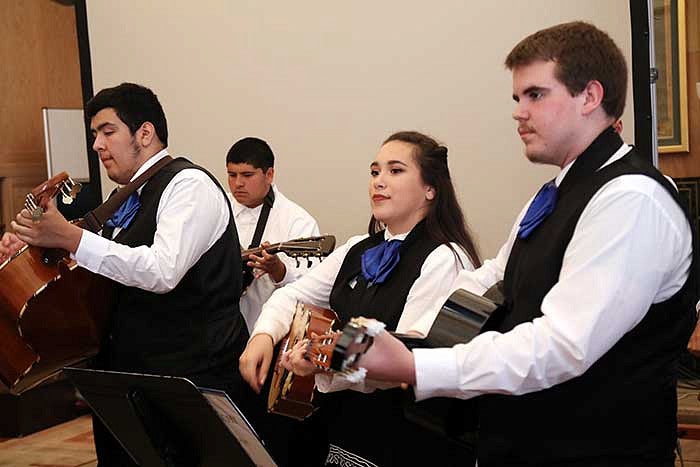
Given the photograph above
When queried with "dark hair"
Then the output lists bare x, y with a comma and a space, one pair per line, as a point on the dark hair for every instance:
253, 151
444, 221
583, 53
134, 105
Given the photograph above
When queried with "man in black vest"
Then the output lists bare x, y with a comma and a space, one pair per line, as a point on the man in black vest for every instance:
172, 249
580, 368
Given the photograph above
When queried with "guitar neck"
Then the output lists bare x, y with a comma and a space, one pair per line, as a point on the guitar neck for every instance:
307, 247
410, 340
272, 249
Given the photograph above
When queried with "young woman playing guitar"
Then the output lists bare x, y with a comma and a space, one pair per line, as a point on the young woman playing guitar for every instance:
400, 273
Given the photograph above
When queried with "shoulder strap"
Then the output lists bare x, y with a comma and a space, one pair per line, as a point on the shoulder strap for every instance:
257, 236
94, 219
262, 220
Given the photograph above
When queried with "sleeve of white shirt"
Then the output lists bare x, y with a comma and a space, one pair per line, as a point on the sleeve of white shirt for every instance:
313, 288
631, 248
302, 226
189, 222
425, 299
492, 270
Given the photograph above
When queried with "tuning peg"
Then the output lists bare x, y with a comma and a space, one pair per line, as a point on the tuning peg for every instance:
297, 260
308, 262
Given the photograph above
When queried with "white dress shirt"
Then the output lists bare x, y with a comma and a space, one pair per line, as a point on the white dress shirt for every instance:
631, 248
189, 221
287, 221
425, 299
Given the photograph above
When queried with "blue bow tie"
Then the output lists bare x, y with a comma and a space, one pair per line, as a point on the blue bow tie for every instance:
379, 261
541, 207
125, 214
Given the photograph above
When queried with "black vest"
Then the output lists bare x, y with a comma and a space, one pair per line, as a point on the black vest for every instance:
196, 328
362, 423
625, 403
351, 297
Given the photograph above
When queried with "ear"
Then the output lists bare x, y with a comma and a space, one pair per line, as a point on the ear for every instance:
270, 175
593, 95
146, 134
430, 193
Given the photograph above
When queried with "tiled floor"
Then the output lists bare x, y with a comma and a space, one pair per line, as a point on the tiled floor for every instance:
691, 453
689, 412
70, 445
66, 445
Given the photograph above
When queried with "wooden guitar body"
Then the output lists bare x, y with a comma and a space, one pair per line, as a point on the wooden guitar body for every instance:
52, 312
292, 395
51, 315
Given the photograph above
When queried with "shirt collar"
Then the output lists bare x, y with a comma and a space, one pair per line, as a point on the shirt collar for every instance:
150, 162
239, 208
622, 150
388, 236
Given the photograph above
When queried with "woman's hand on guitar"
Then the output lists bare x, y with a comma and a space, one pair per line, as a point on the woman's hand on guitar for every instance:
254, 362
296, 361
9, 245
51, 230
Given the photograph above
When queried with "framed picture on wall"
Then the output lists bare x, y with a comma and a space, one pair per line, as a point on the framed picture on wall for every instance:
671, 86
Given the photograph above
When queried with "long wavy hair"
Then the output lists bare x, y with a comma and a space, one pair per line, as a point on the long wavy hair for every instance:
445, 221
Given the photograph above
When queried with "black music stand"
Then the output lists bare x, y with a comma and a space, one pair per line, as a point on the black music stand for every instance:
166, 421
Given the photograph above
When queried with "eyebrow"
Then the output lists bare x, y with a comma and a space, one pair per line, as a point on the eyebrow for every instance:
389, 163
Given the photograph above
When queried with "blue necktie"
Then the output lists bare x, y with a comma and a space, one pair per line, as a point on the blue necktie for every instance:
541, 207
125, 214
379, 261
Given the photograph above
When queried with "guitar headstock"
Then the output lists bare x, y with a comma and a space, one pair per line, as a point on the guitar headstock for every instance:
39, 197
308, 247
341, 351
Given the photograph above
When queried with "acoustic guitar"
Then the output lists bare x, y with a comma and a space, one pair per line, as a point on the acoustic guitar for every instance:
292, 395
462, 317
306, 247
52, 313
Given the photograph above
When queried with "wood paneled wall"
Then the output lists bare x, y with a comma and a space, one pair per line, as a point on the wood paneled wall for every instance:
684, 165
40, 68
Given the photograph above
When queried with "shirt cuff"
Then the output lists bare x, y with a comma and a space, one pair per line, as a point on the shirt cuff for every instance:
91, 251
289, 276
436, 373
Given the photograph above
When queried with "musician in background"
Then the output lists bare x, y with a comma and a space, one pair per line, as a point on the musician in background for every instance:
171, 248
399, 273
599, 282
263, 214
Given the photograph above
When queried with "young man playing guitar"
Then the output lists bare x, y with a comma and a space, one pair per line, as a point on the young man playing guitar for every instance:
599, 274
170, 249
263, 215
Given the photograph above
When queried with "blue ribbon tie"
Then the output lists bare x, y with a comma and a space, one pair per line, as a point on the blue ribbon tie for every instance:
125, 214
542, 206
379, 261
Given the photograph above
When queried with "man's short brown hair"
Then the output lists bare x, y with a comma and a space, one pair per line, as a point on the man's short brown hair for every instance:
583, 53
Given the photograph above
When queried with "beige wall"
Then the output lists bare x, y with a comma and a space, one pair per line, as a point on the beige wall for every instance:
40, 68
324, 82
